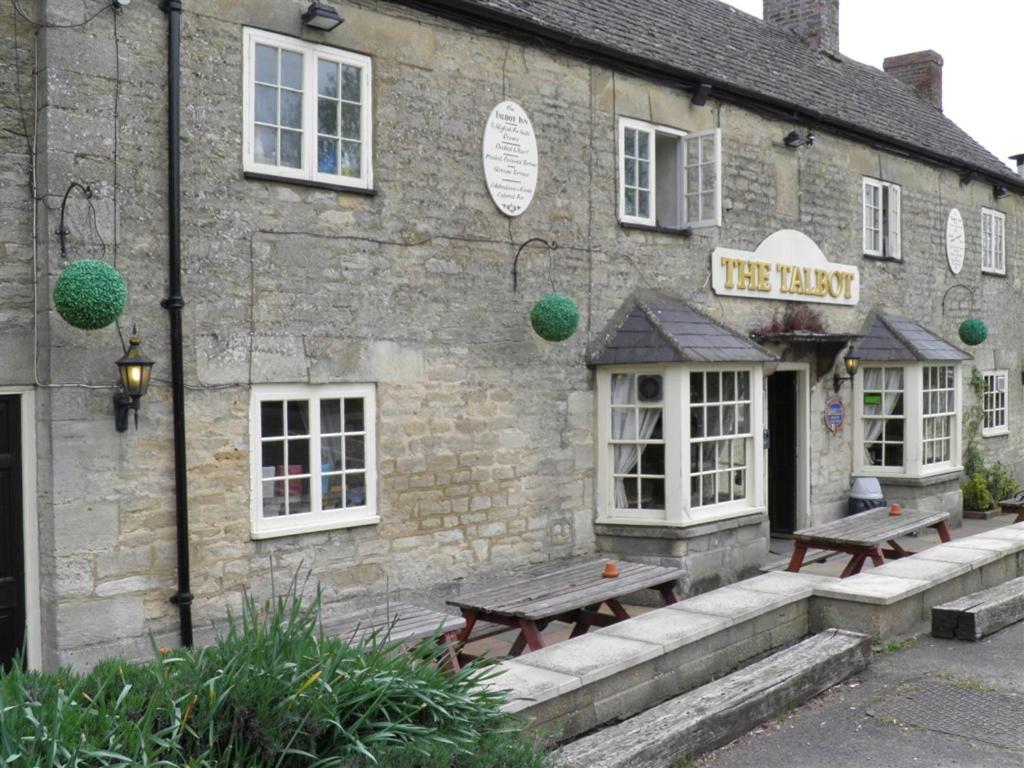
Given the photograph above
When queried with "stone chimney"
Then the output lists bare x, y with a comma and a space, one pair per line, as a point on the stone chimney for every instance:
1019, 160
922, 71
816, 22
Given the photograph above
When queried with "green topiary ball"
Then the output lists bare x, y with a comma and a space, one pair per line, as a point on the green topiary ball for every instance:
90, 294
973, 331
555, 317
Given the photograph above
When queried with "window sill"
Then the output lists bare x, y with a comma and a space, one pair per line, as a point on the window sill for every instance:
893, 259
921, 481
993, 273
684, 231
995, 432
307, 183
655, 529
315, 526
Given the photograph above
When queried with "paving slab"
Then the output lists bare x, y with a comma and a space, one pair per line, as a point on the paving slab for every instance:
873, 588
953, 552
671, 629
593, 656
733, 603
925, 570
1008, 533
785, 583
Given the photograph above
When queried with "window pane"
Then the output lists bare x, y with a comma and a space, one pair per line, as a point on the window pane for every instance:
266, 64
272, 458
643, 203
707, 203
630, 142
643, 141
272, 418
624, 423
265, 149
712, 387
330, 454
298, 457
355, 489
696, 387
743, 427
273, 498
625, 458
696, 422
291, 69
334, 492
629, 488
298, 496
327, 117
330, 417
350, 152
298, 417
644, 179
266, 104
714, 422
631, 202
692, 208
326, 155
350, 128
354, 452
291, 149
743, 379
630, 173
350, 83
291, 109
354, 414
652, 493
652, 460
327, 78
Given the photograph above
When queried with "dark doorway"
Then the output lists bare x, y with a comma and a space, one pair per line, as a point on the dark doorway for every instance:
782, 451
12, 561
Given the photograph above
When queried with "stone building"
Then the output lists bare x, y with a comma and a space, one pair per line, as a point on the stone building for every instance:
348, 293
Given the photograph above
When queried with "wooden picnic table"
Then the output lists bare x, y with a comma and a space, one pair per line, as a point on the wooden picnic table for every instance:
568, 593
862, 536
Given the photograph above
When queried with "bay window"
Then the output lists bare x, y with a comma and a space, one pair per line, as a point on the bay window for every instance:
676, 443
907, 419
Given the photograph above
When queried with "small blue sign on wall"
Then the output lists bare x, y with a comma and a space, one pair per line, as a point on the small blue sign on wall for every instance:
835, 415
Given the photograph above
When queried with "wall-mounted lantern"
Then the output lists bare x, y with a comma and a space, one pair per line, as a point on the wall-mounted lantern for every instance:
133, 369
321, 16
795, 139
851, 362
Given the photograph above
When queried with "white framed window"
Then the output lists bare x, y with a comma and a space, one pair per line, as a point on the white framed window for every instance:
993, 241
313, 456
993, 404
676, 444
307, 110
907, 419
669, 178
881, 201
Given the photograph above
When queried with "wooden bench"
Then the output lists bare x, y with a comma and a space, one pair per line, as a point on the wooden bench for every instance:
1014, 504
402, 623
975, 616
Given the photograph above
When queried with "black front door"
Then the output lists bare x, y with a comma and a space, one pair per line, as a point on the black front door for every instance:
782, 453
12, 565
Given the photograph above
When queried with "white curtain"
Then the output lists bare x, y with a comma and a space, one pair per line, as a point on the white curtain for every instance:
624, 428
891, 398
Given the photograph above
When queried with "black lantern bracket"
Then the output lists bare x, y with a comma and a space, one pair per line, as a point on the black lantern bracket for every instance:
551, 246
851, 361
133, 371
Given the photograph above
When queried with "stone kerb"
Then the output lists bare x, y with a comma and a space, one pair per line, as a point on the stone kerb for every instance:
896, 598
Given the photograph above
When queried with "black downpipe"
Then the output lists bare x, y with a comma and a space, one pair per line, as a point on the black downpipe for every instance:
173, 304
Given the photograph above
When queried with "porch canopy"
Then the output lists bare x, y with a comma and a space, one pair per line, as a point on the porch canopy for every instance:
891, 338
652, 327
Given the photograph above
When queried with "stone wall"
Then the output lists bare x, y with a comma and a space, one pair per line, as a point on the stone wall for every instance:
485, 440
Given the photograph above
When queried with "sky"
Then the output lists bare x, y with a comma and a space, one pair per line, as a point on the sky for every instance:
980, 43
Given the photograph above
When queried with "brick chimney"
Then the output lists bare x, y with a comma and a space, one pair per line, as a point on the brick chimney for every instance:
816, 22
1019, 160
922, 71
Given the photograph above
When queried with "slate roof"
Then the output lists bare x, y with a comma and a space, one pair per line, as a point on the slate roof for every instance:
891, 338
739, 54
654, 328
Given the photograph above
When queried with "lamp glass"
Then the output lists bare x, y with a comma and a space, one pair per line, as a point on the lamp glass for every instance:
852, 363
134, 369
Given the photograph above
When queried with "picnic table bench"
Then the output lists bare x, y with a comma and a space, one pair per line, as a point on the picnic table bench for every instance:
572, 594
862, 536
401, 622
1014, 504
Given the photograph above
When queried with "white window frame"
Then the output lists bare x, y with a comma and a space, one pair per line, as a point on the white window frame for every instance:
993, 248
990, 403
913, 423
684, 137
885, 222
676, 431
316, 519
311, 53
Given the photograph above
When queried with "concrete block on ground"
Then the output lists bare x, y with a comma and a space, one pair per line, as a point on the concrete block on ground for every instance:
974, 616
716, 713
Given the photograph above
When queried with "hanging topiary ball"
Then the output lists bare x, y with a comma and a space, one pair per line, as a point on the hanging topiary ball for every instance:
973, 331
555, 317
90, 294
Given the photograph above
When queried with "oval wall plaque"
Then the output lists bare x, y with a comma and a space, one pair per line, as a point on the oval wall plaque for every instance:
510, 158
955, 241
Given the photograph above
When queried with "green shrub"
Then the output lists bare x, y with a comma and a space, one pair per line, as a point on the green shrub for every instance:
273, 691
1000, 482
974, 461
976, 493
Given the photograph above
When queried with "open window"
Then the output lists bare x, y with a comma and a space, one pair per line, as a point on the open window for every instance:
668, 178
882, 219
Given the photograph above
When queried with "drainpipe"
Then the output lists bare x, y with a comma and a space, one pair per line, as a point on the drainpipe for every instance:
173, 304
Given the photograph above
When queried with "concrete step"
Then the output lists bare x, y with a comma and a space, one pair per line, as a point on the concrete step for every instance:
974, 616
718, 712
